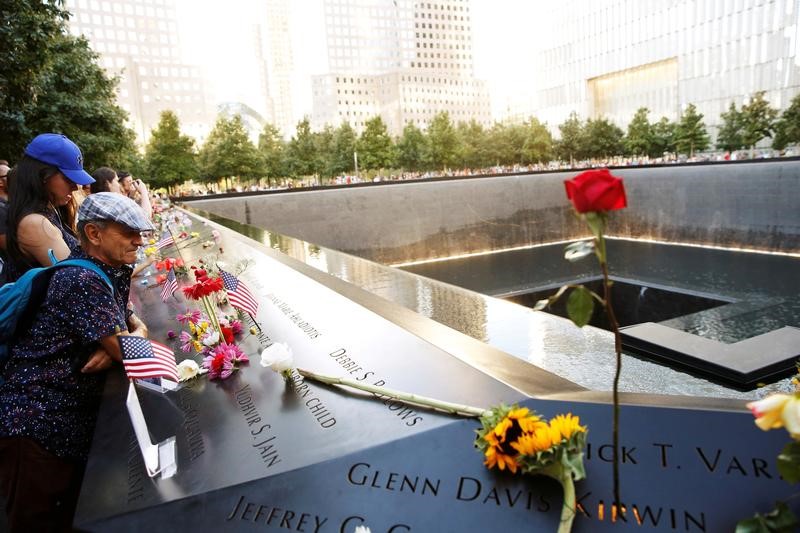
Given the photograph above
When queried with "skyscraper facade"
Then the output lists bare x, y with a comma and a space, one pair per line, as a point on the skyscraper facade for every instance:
138, 41
280, 64
403, 60
610, 57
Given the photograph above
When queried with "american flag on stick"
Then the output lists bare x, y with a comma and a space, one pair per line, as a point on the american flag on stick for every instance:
238, 293
144, 359
166, 240
170, 286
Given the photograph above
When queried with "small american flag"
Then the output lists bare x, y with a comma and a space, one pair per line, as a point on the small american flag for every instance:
166, 240
143, 358
170, 286
238, 293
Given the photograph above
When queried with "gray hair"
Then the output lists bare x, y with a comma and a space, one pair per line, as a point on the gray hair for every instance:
101, 224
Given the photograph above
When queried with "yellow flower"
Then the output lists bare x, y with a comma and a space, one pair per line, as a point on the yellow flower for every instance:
566, 425
151, 241
150, 250
777, 411
198, 347
531, 443
192, 328
194, 234
502, 437
494, 457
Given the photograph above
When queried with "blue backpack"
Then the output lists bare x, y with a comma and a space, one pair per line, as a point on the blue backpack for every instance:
19, 299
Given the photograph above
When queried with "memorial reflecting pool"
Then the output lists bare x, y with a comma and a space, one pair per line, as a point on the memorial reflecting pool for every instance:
762, 283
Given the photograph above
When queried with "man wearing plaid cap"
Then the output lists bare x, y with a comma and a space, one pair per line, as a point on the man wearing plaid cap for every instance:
53, 379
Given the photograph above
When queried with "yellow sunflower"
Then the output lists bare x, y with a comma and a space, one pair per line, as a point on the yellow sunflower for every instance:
531, 443
566, 425
501, 438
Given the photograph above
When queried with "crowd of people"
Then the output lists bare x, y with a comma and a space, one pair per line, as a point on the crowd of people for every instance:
52, 377
554, 165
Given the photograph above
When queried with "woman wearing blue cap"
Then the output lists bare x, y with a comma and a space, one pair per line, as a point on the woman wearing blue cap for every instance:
41, 215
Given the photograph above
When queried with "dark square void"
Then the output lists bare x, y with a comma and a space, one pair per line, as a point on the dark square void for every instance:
730, 316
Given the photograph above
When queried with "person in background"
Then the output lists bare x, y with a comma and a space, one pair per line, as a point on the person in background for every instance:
53, 380
105, 180
41, 212
4, 170
136, 190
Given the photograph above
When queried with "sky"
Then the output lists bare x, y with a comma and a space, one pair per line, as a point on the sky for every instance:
214, 38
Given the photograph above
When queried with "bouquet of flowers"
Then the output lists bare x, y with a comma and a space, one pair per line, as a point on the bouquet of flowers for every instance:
517, 439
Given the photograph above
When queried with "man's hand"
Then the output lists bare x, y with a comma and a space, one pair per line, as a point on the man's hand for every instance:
98, 361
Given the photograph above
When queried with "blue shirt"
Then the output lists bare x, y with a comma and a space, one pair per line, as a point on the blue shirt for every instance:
44, 395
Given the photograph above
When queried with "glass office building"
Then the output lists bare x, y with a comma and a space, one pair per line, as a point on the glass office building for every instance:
610, 57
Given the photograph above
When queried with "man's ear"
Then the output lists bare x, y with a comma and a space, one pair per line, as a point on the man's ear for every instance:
92, 232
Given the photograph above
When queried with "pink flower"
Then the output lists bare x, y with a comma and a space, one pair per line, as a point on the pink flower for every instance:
170, 334
233, 352
192, 316
219, 365
186, 341
236, 326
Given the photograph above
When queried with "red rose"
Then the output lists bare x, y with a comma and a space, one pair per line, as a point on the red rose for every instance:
596, 190
200, 274
161, 278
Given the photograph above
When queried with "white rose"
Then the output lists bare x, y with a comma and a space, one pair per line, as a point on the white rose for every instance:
278, 357
187, 369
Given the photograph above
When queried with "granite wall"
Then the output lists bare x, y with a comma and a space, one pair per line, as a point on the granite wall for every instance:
752, 204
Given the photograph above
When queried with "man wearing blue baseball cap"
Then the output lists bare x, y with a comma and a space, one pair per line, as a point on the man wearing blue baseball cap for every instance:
57, 150
53, 379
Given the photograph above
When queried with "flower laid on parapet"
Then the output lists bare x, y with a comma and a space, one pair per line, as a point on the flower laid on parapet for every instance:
224, 360
278, 358
168, 263
517, 439
511, 438
202, 290
774, 412
188, 369
593, 194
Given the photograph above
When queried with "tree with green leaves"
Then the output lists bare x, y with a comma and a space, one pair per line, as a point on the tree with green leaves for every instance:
537, 143
663, 138
412, 148
375, 146
570, 146
787, 128
272, 148
323, 146
28, 33
473, 145
80, 102
301, 152
344, 146
58, 86
758, 120
505, 141
729, 136
442, 142
690, 133
169, 156
639, 139
601, 138
228, 152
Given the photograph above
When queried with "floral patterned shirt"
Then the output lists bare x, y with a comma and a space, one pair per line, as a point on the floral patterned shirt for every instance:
44, 395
